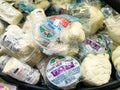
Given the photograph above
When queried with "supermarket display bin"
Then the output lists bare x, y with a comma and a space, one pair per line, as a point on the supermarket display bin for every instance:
112, 85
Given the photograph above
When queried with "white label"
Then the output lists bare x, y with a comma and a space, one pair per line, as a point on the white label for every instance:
63, 72
24, 73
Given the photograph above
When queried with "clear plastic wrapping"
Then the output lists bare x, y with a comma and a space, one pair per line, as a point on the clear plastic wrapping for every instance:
13, 17
58, 33
90, 16
113, 25
21, 71
60, 72
20, 46
95, 44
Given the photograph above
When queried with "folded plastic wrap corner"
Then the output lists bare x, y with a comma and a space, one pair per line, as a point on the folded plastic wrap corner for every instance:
9, 14
60, 72
90, 17
59, 35
21, 71
18, 45
35, 17
95, 44
113, 27
96, 69
7, 87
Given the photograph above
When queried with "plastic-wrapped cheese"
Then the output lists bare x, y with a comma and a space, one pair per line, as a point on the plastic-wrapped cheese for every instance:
35, 17
19, 45
95, 44
96, 69
59, 35
9, 14
113, 27
90, 17
21, 71
116, 58
60, 72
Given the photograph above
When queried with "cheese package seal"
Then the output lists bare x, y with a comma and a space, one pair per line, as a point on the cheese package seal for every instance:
60, 72
95, 44
21, 71
58, 33
90, 16
9, 14
18, 45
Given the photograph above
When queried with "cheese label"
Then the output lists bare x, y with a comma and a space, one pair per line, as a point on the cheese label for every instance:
53, 26
63, 71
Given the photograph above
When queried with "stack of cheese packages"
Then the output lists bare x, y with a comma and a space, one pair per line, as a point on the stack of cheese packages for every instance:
64, 49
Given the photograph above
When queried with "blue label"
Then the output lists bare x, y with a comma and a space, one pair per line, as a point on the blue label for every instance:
53, 26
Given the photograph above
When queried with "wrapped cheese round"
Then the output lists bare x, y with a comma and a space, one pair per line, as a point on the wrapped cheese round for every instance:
96, 69
90, 17
60, 72
9, 14
59, 34
95, 44
21, 71
18, 44
113, 27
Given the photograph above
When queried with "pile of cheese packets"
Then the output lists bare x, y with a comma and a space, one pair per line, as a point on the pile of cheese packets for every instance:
62, 41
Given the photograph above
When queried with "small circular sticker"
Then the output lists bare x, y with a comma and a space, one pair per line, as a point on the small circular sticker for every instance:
63, 71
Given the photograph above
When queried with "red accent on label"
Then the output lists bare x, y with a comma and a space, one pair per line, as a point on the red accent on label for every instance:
63, 21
